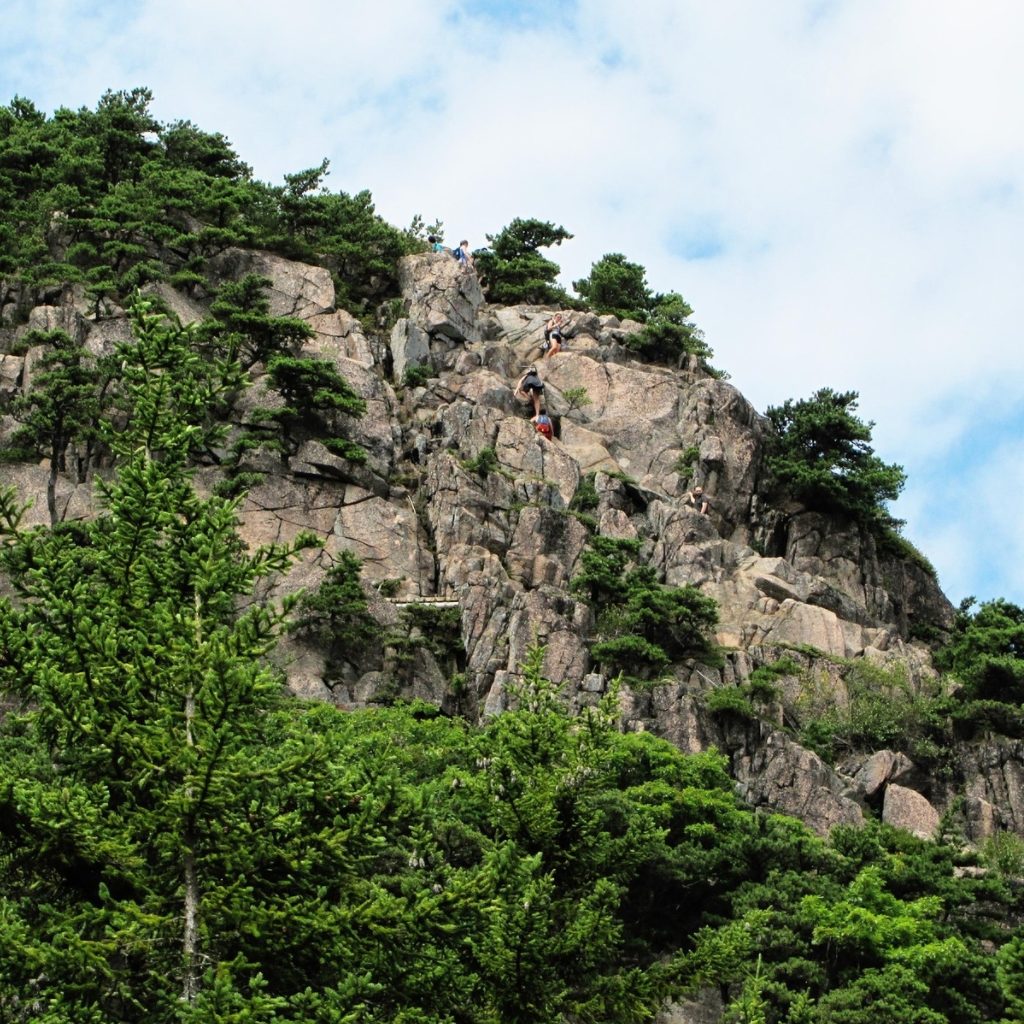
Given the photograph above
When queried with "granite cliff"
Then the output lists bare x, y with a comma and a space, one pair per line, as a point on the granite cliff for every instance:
462, 511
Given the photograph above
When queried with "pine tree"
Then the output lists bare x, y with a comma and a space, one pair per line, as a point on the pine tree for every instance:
59, 411
143, 702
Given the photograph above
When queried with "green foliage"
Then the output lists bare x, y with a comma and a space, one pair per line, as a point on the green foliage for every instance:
418, 233
336, 612
60, 411
416, 375
761, 686
760, 689
617, 286
669, 333
240, 326
729, 700
314, 392
113, 199
577, 398
146, 736
882, 711
986, 651
642, 625
181, 843
872, 924
685, 463
586, 498
513, 268
484, 462
1010, 974
821, 452
428, 628
1004, 852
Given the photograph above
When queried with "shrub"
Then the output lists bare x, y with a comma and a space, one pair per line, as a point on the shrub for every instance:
729, 700
1004, 852
484, 462
416, 375
585, 499
336, 612
617, 286
577, 398
642, 625
687, 459
882, 712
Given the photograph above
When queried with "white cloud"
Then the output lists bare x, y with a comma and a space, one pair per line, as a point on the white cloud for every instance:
851, 175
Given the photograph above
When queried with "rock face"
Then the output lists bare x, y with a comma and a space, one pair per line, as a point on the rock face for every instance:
461, 502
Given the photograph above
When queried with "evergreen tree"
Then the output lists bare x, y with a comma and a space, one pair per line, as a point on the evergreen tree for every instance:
616, 285
821, 451
144, 705
513, 268
61, 410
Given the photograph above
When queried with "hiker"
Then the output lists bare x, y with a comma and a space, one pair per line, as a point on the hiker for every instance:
463, 255
436, 245
532, 387
542, 421
699, 500
553, 336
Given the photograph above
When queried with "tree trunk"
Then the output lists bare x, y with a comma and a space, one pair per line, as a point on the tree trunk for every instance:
190, 923
190, 937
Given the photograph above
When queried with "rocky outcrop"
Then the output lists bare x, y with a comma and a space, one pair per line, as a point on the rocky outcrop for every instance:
442, 297
784, 777
460, 500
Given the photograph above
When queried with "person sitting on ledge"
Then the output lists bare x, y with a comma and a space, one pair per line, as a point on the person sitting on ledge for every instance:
699, 500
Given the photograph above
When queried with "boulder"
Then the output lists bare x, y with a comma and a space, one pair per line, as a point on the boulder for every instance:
441, 296
904, 808
784, 777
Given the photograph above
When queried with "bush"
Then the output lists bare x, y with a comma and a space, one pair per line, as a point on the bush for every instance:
1004, 852
484, 462
336, 612
416, 375
986, 651
616, 286
729, 700
882, 712
642, 625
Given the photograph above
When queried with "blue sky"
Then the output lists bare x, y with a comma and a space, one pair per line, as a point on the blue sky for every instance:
835, 186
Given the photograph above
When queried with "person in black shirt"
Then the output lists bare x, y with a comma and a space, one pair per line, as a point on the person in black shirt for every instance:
532, 387
699, 500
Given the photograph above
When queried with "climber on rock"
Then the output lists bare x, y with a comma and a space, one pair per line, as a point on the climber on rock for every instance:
531, 387
698, 500
542, 422
463, 255
553, 335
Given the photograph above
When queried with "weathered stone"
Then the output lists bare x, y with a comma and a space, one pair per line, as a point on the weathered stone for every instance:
410, 346
339, 333
882, 767
705, 1008
783, 776
442, 297
460, 497
904, 808
296, 289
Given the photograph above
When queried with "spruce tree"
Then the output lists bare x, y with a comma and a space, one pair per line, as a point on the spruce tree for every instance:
142, 700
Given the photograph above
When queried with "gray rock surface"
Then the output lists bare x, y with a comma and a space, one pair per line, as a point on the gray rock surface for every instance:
907, 809
461, 499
